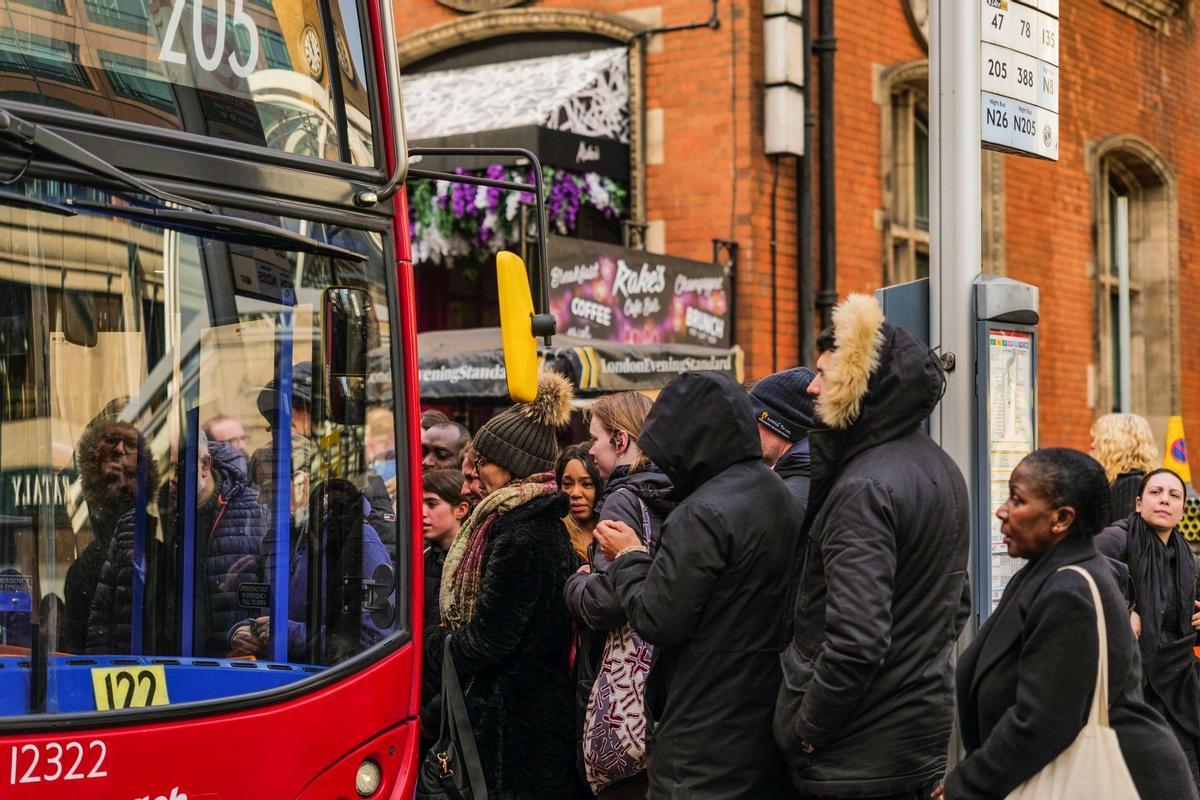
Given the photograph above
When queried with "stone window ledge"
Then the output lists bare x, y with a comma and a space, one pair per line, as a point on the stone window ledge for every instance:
1155, 13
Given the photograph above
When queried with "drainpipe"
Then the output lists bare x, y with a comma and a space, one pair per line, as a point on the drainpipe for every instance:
804, 205
825, 47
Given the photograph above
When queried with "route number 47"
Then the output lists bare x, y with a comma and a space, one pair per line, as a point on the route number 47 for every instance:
211, 59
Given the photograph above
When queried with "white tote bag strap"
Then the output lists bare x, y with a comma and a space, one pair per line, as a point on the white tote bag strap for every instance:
1099, 712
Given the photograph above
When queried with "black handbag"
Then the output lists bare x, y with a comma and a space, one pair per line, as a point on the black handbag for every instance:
451, 769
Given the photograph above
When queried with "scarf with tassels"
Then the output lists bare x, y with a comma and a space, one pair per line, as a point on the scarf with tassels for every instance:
462, 573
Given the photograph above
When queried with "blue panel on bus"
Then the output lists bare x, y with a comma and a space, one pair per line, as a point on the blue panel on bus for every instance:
69, 679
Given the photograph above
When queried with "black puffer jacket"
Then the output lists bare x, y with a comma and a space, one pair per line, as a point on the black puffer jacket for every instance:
228, 533
590, 597
711, 600
513, 655
883, 588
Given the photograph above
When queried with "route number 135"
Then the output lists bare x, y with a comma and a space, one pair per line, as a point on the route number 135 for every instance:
210, 59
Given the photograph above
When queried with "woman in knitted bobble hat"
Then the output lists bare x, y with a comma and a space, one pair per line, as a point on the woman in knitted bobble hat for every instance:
502, 601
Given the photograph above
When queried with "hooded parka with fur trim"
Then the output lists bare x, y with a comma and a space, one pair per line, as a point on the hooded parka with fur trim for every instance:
883, 594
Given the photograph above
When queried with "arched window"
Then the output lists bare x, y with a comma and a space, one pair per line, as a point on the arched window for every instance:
904, 94
1136, 258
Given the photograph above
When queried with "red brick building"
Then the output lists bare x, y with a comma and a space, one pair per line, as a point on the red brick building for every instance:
697, 171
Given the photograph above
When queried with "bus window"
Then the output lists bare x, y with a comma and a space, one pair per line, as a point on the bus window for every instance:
174, 491
288, 76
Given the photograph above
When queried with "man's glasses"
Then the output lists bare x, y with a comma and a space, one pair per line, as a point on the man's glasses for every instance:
130, 440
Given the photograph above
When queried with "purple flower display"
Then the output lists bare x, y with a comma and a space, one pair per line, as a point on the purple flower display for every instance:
454, 220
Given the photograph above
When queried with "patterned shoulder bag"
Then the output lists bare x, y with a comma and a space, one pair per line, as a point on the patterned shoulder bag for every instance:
614, 733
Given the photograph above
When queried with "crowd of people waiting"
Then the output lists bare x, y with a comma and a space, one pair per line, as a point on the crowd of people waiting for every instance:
729, 593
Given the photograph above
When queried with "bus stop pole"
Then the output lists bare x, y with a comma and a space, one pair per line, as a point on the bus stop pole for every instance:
955, 214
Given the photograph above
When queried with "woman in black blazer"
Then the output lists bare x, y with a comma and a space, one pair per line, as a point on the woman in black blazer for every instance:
1025, 684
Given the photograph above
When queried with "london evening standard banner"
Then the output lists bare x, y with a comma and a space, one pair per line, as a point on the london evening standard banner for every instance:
609, 293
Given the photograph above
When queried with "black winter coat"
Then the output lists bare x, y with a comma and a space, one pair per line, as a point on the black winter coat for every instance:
1168, 663
227, 538
711, 600
796, 470
1025, 684
883, 592
512, 657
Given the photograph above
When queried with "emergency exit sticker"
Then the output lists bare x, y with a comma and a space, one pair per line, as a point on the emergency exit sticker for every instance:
16, 593
253, 596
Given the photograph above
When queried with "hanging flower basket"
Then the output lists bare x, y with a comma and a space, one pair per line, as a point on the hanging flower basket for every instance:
452, 221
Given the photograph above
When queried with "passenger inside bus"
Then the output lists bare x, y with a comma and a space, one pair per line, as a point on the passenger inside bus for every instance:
117, 475
328, 522
228, 526
370, 482
226, 430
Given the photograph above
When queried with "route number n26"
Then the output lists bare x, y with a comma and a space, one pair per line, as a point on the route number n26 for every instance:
209, 60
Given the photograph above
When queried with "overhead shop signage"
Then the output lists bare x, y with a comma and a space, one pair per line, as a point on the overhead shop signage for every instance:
610, 293
472, 374
1019, 77
612, 367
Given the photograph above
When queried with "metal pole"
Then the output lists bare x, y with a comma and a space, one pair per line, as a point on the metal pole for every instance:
955, 217
1123, 338
825, 46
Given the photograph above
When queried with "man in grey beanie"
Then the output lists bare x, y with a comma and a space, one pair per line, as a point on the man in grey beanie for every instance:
783, 409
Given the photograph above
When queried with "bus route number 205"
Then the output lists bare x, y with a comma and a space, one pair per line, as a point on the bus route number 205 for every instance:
55, 761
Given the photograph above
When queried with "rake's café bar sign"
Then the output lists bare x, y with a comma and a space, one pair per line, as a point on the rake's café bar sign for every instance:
610, 293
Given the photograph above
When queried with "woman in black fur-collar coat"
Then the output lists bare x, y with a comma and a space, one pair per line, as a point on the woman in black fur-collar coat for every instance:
502, 601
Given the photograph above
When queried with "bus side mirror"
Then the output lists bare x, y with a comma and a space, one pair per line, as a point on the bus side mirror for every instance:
519, 327
348, 329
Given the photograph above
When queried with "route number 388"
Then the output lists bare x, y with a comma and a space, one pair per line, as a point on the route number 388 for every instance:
209, 53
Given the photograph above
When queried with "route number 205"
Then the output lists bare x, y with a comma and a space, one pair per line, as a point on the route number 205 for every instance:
209, 50
56, 761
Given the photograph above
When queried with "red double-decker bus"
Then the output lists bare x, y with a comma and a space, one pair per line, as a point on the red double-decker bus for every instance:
209, 452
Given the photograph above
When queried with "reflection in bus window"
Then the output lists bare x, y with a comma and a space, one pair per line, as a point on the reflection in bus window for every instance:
261, 73
328, 532
138, 367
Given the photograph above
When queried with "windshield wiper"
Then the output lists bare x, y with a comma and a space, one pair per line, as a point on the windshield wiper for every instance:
34, 204
37, 137
212, 225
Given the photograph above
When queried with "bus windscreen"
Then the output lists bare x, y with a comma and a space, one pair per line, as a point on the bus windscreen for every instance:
184, 514
281, 74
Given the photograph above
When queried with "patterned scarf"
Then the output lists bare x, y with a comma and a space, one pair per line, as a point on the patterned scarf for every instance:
463, 572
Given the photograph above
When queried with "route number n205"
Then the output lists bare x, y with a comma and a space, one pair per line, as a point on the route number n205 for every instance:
209, 58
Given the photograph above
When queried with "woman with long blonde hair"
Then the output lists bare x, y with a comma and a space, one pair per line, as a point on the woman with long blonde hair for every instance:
1124, 446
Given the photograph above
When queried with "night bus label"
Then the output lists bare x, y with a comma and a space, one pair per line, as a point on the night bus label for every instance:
254, 596
57, 761
129, 687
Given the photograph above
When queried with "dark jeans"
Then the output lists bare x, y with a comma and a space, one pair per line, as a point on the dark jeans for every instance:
920, 793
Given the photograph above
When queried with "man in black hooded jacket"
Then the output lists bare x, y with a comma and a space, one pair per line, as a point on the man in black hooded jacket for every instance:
711, 600
865, 707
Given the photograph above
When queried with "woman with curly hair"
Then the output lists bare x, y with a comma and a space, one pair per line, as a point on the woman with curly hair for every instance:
580, 481
1124, 446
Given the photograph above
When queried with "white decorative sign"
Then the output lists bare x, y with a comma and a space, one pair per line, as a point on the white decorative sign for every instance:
1019, 77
